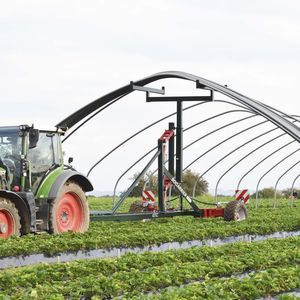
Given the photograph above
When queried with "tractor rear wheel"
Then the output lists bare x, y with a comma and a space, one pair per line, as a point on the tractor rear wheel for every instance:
235, 211
69, 211
10, 221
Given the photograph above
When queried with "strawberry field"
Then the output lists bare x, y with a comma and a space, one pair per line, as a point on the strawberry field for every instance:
235, 271
108, 234
232, 271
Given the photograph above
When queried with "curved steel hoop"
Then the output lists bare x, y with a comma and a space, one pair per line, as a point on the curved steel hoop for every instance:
280, 119
279, 178
252, 104
266, 173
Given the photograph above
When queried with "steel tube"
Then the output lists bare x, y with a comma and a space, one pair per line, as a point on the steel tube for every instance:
272, 168
294, 165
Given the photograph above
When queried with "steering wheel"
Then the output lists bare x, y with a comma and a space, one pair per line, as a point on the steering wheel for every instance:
10, 168
12, 157
10, 164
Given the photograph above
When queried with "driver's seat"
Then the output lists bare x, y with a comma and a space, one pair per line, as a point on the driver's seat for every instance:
5, 182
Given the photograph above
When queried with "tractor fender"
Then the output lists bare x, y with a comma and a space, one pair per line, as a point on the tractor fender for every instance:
70, 175
22, 208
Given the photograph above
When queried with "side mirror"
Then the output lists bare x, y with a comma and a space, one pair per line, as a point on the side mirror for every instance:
33, 137
70, 160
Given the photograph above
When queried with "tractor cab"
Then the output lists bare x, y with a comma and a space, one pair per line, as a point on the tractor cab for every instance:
26, 156
37, 191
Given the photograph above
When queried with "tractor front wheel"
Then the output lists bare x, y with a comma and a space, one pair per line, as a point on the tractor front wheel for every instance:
10, 222
69, 211
235, 211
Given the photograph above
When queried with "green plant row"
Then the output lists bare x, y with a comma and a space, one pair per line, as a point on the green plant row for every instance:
262, 284
156, 231
139, 273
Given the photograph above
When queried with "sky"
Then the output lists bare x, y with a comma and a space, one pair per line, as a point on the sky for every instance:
57, 56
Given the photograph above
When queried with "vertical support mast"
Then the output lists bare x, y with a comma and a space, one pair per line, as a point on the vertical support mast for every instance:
168, 136
179, 138
171, 150
163, 185
179, 128
161, 202
179, 143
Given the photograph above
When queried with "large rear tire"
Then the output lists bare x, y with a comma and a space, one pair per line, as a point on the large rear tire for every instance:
69, 211
10, 221
235, 211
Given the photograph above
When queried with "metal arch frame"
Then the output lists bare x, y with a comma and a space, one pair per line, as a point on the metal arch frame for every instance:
91, 117
216, 188
146, 127
220, 143
228, 154
251, 169
160, 120
254, 105
292, 189
212, 148
215, 130
259, 147
271, 114
275, 189
128, 169
266, 173
248, 154
283, 114
185, 129
261, 161
211, 132
137, 133
224, 141
197, 140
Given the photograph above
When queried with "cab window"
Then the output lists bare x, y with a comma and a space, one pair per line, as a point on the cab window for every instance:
42, 157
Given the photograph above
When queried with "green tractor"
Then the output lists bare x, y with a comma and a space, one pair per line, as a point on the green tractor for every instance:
37, 191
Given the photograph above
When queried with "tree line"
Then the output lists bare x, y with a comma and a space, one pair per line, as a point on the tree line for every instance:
150, 182
189, 177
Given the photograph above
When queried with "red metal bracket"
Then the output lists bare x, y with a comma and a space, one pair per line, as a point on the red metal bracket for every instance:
166, 135
213, 212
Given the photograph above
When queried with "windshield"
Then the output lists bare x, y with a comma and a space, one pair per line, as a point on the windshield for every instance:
10, 143
42, 157
10, 154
